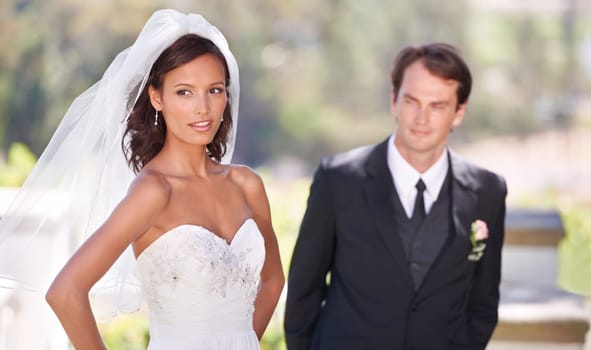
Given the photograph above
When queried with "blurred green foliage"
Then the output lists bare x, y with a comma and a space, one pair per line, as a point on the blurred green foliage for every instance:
314, 75
126, 332
574, 252
17, 166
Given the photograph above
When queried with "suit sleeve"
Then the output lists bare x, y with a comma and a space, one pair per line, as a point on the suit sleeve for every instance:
311, 261
483, 301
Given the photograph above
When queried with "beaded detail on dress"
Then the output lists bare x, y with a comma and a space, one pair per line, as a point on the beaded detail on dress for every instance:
191, 276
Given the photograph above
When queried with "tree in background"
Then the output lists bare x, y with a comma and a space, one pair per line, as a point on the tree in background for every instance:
314, 76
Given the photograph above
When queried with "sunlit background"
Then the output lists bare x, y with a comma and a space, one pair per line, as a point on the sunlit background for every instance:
315, 81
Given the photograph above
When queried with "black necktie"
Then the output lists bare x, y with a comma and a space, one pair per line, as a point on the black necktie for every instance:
418, 213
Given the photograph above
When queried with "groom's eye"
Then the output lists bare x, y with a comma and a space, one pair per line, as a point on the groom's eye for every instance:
439, 106
410, 102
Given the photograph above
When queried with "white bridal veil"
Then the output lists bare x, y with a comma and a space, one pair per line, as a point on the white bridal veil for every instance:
82, 174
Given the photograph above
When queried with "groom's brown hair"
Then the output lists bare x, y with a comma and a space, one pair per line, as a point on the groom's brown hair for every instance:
440, 59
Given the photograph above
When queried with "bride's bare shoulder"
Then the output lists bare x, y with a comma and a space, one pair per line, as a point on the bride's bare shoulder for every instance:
150, 185
248, 179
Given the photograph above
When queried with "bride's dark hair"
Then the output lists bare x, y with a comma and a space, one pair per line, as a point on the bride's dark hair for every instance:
145, 139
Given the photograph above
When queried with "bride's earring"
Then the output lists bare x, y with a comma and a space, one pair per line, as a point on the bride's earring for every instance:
156, 119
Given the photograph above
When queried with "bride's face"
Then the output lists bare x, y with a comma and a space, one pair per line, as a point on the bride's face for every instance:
192, 100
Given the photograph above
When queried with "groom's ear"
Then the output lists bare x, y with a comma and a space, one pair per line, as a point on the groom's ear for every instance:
393, 102
459, 117
155, 98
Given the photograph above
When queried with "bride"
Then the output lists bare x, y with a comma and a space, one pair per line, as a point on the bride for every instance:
199, 228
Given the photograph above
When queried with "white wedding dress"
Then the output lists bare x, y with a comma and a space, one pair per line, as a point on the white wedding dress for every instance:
200, 289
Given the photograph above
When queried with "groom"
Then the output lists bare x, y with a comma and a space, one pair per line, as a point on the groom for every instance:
400, 246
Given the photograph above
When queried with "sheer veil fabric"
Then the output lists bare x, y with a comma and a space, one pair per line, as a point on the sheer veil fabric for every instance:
82, 174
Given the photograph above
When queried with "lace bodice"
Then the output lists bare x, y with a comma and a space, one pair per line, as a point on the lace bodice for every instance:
200, 289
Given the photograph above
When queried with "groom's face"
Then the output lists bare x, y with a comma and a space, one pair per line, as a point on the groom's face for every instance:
426, 110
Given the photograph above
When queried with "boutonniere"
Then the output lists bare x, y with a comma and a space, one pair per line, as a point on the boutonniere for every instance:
478, 234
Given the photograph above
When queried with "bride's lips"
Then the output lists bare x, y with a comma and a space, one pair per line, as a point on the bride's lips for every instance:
202, 125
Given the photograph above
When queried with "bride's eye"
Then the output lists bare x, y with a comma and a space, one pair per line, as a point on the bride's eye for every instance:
183, 92
216, 90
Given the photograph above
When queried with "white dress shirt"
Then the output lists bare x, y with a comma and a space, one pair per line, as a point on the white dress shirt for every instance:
405, 177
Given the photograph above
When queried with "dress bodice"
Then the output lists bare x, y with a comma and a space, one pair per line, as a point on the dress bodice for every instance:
200, 289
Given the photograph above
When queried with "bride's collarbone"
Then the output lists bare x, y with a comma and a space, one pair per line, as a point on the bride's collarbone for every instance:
222, 215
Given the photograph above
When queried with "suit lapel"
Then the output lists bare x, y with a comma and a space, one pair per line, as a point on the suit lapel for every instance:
463, 193
379, 191
463, 206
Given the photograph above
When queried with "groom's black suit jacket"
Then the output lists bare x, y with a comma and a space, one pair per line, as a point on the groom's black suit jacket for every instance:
349, 231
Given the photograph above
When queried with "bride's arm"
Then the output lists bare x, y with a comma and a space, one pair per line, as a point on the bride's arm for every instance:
272, 277
68, 294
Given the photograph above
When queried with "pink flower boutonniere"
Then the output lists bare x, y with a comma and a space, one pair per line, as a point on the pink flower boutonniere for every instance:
478, 234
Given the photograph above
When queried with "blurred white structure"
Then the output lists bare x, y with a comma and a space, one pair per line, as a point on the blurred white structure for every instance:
26, 321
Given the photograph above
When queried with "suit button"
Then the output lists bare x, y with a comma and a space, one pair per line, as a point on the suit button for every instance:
413, 307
